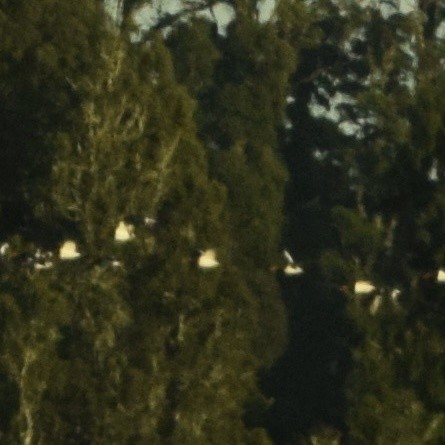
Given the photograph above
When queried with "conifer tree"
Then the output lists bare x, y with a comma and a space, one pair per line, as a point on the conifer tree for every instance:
35, 92
383, 184
307, 382
154, 350
239, 81
393, 186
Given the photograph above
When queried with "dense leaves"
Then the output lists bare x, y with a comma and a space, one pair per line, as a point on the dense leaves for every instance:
318, 130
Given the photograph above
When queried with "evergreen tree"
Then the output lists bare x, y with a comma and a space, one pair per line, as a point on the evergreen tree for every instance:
239, 81
154, 350
37, 64
135, 342
307, 382
383, 183
395, 187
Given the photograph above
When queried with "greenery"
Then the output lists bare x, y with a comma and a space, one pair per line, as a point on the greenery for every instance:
318, 130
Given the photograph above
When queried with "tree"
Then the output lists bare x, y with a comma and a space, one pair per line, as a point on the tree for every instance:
155, 349
371, 218
35, 93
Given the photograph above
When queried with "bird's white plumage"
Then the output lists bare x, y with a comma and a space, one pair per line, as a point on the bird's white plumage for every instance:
4, 249
43, 265
375, 305
293, 269
288, 257
150, 222
68, 251
207, 259
363, 287
395, 294
441, 276
124, 232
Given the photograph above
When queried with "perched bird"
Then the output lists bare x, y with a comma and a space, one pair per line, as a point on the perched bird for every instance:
4, 249
124, 232
42, 264
42, 260
433, 173
440, 277
207, 259
375, 304
363, 287
149, 222
68, 251
291, 267
437, 275
395, 295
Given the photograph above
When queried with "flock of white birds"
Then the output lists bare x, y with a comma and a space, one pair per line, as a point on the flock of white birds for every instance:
367, 288
125, 231
206, 259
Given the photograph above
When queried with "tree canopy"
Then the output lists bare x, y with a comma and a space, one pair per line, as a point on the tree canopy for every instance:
317, 131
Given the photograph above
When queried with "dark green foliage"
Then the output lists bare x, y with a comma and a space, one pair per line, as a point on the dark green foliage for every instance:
319, 131
35, 74
362, 206
252, 80
194, 45
240, 84
155, 350
244, 98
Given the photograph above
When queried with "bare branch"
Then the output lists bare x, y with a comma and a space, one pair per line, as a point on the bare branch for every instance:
163, 173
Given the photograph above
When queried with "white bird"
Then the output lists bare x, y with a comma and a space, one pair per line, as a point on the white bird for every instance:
42, 265
440, 276
4, 249
42, 260
207, 259
375, 305
291, 267
395, 294
288, 257
68, 251
116, 263
149, 222
433, 174
124, 232
363, 287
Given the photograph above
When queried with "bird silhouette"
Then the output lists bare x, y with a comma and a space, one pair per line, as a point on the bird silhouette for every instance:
207, 259
43, 260
42, 264
375, 304
291, 268
4, 249
362, 287
68, 251
124, 232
